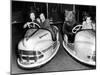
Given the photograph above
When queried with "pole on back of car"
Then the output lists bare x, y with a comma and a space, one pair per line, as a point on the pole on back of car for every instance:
74, 8
47, 9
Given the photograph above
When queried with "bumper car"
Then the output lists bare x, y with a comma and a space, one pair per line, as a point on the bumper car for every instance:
83, 47
37, 47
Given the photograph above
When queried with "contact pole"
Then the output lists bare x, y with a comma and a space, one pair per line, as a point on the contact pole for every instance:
47, 9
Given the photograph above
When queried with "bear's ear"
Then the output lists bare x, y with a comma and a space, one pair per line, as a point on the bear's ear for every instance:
72, 12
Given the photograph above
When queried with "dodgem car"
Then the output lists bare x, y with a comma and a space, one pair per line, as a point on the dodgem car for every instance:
83, 47
37, 47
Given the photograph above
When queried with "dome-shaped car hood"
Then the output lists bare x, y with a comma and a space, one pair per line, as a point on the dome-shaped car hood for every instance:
85, 44
40, 40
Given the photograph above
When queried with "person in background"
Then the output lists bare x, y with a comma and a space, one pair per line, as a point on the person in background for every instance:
88, 23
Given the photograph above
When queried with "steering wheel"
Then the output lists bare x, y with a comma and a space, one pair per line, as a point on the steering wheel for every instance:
31, 25
76, 28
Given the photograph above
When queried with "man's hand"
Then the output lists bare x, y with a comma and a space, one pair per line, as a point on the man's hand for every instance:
27, 24
38, 20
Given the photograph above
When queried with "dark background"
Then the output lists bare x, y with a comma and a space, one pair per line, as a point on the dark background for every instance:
20, 10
